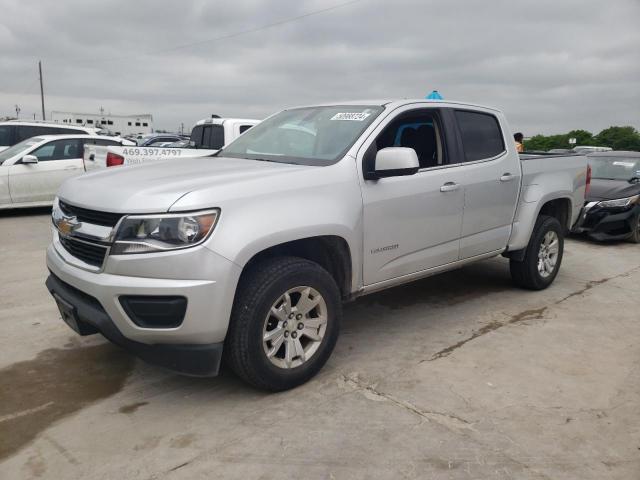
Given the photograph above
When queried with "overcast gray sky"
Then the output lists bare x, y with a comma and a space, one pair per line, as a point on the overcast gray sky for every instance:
550, 65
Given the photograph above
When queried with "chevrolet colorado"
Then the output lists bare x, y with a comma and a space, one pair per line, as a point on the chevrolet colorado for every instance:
249, 255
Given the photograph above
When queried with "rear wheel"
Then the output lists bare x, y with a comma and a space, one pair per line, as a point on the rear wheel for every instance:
284, 324
542, 257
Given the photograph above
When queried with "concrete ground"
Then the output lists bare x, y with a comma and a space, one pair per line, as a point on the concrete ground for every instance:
460, 376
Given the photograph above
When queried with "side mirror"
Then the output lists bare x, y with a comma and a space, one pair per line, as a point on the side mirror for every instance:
29, 159
396, 162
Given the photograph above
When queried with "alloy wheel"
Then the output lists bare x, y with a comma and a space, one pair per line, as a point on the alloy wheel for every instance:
294, 327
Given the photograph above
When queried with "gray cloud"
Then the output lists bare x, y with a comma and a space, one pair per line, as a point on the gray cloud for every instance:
551, 66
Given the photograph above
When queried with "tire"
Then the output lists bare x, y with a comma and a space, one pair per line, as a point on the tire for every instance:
635, 231
526, 273
261, 288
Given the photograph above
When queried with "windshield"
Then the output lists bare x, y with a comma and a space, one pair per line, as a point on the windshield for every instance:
615, 168
304, 136
18, 147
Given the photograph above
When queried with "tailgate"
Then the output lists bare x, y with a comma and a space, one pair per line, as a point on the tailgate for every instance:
95, 157
138, 155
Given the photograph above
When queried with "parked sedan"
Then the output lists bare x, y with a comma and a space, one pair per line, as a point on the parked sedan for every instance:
612, 210
32, 171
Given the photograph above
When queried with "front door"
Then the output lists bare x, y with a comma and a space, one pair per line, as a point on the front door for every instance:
58, 161
412, 223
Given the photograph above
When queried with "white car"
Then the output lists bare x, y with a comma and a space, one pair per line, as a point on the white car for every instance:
32, 171
15, 131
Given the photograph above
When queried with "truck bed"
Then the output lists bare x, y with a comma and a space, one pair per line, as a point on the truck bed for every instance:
546, 175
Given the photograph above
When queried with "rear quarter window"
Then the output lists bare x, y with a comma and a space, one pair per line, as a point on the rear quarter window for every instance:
481, 135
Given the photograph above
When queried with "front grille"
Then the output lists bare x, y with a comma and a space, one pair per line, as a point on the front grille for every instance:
107, 219
87, 252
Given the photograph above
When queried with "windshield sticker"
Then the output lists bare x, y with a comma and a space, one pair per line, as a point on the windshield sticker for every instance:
625, 164
353, 116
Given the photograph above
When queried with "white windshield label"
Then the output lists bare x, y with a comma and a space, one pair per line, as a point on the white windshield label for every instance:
353, 116
625, 164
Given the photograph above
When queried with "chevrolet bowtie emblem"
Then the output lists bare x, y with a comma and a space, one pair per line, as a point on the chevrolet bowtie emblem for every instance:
66, 225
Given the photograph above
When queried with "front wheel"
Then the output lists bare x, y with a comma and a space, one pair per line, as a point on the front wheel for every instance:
284, 324
543, 255
635, 230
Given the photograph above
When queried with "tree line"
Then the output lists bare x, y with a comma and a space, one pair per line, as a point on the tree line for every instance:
618, 138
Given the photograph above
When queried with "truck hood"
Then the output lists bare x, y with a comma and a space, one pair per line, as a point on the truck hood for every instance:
602, 189
155, 187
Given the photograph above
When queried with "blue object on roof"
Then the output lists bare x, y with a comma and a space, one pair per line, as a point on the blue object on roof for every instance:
435, 95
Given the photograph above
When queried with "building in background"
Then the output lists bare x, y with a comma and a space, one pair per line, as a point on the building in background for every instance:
114, 124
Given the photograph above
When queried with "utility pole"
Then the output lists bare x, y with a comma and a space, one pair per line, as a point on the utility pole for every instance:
41, 88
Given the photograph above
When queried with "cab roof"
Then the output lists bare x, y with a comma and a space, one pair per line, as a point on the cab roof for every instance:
77, 135
394, 103
37, 123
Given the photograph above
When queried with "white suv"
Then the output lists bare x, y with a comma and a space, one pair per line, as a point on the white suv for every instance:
14, 131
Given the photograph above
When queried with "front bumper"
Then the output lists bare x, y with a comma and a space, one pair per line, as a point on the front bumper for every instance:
609, 223
201, 360
192, 347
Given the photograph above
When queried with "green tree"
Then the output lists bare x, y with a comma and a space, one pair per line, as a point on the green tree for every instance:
619, 138
583, 137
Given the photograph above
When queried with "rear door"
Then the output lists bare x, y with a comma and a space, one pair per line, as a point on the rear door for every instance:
58, 160
492, 182
411, 223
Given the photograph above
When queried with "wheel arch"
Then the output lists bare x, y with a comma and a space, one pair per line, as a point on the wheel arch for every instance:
331, 252
557, 206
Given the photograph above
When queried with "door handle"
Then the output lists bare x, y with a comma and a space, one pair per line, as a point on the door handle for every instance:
506, 177
449, 187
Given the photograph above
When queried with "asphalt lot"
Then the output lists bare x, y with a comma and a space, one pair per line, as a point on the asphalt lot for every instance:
460, 376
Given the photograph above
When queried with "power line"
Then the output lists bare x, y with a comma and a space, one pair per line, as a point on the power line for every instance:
226, 36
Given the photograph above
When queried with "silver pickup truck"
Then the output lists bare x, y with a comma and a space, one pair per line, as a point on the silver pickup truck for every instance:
249, 255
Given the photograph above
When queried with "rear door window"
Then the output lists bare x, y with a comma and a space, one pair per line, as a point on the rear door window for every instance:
27, 131
481, 135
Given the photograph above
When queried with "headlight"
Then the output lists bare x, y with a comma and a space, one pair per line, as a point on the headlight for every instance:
619, 202
158, 233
